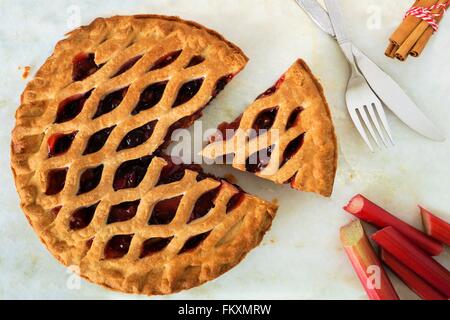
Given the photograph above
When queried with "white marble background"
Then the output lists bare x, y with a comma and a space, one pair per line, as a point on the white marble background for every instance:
301, 257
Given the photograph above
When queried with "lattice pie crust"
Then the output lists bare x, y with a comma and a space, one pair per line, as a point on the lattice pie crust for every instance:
87, 161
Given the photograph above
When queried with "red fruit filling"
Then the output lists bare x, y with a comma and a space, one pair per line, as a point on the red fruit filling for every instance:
82, 217
71, 107
55, 181
175, 172
83, 66
153, 245
137, 136
292, 148
195, 60
259, 160
130, 173
225, 130
264, 121
89, 243
55, 211
182, 123
193, 242
235, 200
164, 211
188, 91
123, 211
118, 246
203, 204
59, 143
293, 118
272, 89
127, 65
189, 120
90, 179
98, 140
221, 83
110, 102
150, 97
165, 60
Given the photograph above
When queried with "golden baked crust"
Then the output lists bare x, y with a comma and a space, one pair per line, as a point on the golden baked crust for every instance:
115, 41
312, 168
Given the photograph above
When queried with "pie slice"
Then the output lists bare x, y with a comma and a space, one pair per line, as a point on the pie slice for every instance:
285, 136
87, 157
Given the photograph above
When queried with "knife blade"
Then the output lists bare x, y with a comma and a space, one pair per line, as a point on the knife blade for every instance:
395, 98
337, 21
392, 95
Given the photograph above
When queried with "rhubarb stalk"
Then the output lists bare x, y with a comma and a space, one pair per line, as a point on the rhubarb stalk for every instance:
368, 211
411, 279
435, 227
366, 263
417, 260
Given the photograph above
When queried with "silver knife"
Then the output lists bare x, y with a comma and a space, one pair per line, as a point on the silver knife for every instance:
384, 86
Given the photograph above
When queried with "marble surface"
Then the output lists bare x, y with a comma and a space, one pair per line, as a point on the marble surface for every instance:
301, 257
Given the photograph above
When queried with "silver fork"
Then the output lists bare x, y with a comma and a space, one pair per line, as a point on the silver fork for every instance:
364, 106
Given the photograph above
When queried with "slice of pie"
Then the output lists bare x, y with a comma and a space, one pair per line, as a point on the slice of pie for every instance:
87, 157
286, 135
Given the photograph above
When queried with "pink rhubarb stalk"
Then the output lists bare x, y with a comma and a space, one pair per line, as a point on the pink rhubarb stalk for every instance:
368, 211
411, 279
435, 227
366, 263
414, 258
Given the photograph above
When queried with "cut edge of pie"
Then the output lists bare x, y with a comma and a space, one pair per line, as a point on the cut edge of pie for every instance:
118, 214
304, 150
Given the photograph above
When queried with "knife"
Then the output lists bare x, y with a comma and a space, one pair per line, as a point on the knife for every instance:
384, 86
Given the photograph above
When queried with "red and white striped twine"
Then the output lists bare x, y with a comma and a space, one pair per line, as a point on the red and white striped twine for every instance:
426, 14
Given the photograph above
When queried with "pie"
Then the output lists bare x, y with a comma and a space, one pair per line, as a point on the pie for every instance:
286, 135
88, 159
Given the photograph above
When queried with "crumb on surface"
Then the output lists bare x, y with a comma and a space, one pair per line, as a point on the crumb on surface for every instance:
26, 71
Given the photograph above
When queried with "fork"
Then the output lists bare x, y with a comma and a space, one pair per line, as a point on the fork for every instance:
363, 105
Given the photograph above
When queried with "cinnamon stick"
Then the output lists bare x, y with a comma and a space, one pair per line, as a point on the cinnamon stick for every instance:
405, 48
423, 40
391, 50
409, 23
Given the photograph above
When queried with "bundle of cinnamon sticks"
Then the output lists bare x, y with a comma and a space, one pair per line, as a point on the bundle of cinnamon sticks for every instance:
413, 34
